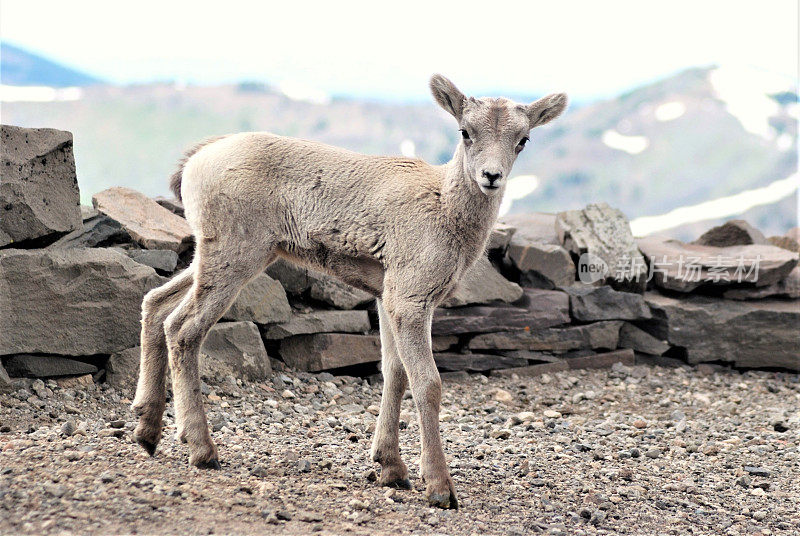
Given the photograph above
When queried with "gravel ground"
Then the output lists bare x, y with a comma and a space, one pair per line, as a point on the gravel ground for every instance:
639, 450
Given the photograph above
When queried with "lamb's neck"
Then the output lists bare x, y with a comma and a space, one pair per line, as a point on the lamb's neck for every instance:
470, 213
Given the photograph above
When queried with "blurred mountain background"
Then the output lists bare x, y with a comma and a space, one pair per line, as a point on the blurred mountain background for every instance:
677, 156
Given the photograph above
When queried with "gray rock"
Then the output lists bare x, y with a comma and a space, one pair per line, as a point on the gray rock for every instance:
46, 366
593, 361
262, 301
483, 284
784, 242
541, 265
684, 267
320, 322
639, 340
71, 302
600, 233
589, 304
447, 362
99, 231
88, 213
294, 278
150, 224
748, 334
556, 340
38, 187
234, 349
173, 204
443, 343
163, 260
731, 233
68, 428
6, 384
334, 292
329, 350
534, 250
537, 309
122, 369
500, 237
788, 287
758, 471
538, 227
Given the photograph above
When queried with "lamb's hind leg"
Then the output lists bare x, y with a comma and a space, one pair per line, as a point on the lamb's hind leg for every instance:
151, 388
412, 323
385, 444
221, 270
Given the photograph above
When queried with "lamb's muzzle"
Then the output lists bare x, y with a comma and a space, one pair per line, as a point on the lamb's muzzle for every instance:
399, 228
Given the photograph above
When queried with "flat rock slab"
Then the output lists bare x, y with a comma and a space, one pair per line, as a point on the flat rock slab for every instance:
557, 340
476, 362
122, 368
595, 361
234, 349
294, 278
590, 304
731, 233
538, 227
46, 366
500, 237
639, 340
330, 290
685, 267
162, 260
38, 187
483, 284
320, 322
752, 334
6, 383
97, 231
784, 242
601, 235
541, 265
262, 301
324, 351
150, 224
72, 301
788, 287
534, 250
538, 309
173, 204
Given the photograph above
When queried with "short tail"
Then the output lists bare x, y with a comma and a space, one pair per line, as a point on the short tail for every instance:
177, 177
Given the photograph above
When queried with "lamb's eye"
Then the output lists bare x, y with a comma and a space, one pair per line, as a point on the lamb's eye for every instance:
521, 144
465, 134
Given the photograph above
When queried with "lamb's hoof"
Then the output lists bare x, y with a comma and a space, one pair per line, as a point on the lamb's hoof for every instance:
399, 483
446, 500
149, 446
213, 463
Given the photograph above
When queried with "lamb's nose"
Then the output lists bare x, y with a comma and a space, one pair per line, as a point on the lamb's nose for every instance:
492, 176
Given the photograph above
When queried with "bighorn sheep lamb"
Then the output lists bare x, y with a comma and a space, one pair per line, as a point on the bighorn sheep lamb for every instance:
398, 228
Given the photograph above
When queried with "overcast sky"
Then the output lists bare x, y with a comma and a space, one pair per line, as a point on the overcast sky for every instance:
389, 49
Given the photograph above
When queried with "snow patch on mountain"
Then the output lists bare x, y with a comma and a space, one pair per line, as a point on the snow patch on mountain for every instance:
629, 144
746, 94
517, 188
39, 93
669, 111
722, 207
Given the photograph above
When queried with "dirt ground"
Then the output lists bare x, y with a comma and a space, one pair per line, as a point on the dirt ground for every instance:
639, 450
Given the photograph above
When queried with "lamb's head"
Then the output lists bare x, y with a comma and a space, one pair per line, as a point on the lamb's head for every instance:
493, 131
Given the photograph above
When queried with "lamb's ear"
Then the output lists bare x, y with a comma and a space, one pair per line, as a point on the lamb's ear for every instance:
546, 109
447, 95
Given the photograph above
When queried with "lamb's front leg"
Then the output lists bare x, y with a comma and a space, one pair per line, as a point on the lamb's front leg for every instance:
411, 324
385, 444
